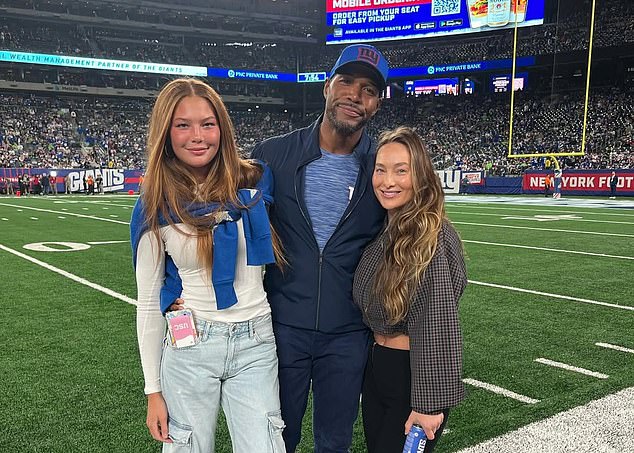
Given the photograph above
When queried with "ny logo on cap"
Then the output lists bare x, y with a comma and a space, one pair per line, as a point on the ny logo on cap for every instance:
368, 55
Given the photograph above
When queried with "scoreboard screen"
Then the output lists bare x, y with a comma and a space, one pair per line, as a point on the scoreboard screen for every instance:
353, 21
432, 86
502, 83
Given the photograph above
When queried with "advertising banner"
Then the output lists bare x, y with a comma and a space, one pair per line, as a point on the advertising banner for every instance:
582, 182
350, 21
114, 179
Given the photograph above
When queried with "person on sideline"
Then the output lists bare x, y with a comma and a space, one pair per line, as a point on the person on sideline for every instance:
548, 182
325, 214
407, 285
614, 180
201, 218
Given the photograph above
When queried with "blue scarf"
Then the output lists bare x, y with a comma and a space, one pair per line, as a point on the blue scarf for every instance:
257, 233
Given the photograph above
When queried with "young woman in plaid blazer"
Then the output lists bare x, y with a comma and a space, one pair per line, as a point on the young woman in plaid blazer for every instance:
408, 284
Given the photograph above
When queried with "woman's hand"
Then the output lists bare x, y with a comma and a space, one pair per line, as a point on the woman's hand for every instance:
429, 423
157, 417
177, 305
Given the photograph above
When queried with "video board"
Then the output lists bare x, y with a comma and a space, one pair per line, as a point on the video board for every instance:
436, 87
352, 21
501, 83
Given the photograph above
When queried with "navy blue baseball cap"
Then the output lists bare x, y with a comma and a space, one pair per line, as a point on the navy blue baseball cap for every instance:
365, 56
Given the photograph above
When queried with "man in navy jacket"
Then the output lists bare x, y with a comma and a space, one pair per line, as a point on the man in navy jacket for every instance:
325, 213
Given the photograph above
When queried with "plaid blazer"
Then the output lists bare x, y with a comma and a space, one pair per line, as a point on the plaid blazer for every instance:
431, 322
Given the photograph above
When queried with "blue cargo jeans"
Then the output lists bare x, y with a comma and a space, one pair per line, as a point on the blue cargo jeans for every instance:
234, 366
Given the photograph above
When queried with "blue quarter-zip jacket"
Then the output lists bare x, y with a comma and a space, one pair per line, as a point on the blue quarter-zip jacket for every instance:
314, 291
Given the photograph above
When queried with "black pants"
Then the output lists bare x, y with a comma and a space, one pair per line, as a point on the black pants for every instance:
386, 401
332, 366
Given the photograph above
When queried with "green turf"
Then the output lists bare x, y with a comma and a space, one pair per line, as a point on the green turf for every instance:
72, 379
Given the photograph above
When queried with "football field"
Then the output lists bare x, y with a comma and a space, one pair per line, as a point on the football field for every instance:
547, 319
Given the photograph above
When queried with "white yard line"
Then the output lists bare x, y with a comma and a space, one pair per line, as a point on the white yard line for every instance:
106, 242
537, 210
565, 366
500, 391
615, 347
546, 249
556, 296
84, 216
568, 219
544, 229
70, 276
603, 425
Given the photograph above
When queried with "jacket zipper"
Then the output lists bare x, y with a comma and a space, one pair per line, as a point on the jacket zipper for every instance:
318, 290
326, 245
316, 244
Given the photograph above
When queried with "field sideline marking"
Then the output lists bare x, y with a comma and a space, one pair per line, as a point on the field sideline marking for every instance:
615, 347
106, 242
129, 206
73, 277
500, 391
67, 213
556, 296
549, 211
544, 229
550, 250
565, 366
568, 219
606, 421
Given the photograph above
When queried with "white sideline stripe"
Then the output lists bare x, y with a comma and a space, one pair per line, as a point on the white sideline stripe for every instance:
550, 250
556, 296
106, 242
68, 213
558, 220
549, 211
70, 276
602, 425
576, 369
500, 391
615, 347
544, 229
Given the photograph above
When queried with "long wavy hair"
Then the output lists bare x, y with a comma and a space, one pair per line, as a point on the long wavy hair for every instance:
170, 187
411, 236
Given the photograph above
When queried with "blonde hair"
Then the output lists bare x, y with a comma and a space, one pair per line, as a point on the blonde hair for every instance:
411, 237
169, 186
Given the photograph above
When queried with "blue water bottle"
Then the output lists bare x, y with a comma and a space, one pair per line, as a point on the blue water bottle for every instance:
416, 440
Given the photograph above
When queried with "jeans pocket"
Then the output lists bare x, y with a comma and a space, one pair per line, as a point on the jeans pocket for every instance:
263, 332
276, 426
180, 434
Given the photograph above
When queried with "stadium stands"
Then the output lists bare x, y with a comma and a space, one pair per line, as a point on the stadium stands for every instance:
39, 130
469, 130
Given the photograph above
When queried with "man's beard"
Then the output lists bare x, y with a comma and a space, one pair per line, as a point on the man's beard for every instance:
342, 127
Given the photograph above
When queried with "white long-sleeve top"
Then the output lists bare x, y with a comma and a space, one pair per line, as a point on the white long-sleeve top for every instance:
198, 292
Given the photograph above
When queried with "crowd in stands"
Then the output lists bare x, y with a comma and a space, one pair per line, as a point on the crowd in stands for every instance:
251, 16
467, 132
470, 132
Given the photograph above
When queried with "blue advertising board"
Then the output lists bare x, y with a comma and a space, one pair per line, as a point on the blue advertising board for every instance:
351, 21
250, 74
